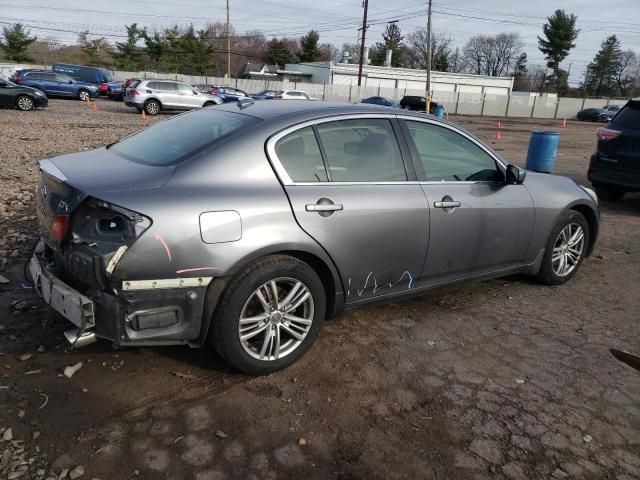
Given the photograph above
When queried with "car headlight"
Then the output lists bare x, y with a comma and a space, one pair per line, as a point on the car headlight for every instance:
592, 194
39, 93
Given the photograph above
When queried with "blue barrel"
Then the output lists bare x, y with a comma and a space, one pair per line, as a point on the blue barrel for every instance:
543, 147
439, 113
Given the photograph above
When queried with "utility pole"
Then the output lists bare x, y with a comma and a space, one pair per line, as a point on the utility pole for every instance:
364, 31
228, 43
428, 96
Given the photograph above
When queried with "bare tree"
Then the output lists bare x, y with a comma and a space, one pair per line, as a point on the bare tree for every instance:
532, 80
627, 72
416, 50
494, 55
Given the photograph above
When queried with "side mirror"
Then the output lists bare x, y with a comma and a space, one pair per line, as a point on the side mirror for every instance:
515, 175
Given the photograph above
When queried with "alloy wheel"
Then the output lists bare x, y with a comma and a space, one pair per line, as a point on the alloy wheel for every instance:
276, 319
83, 95
152, 108
25, 103
567, 250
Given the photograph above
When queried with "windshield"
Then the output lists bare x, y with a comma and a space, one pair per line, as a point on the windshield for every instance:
174, 140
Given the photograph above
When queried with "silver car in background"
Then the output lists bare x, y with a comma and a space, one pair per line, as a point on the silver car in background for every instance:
247, 225
154, 96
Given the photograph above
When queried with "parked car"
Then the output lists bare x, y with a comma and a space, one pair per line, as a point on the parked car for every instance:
591, 115
234, 225
153, 96
116, 90
92, 75
608, 112
57, 84
21, 97
292, 95
419, 104
265, 95
615, 165
380, 101
18, 75
228, 94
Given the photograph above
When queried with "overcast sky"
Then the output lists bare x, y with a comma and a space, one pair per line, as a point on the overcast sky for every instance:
338, 20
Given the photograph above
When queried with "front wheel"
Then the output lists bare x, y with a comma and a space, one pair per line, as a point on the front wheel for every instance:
84, 95
269, 316
209, 104
565, 249
25, 103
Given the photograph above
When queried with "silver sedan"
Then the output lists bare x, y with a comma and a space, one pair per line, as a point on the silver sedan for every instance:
247, 225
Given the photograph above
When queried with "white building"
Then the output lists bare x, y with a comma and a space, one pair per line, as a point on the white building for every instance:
400, 78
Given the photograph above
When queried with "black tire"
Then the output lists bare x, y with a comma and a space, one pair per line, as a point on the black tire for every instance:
25, 103
226, 320
547, 275
84, 95
152, 107
610, 194
209, 104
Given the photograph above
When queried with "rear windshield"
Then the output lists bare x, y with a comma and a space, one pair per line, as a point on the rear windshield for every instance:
174, 140
629, 116
134, 83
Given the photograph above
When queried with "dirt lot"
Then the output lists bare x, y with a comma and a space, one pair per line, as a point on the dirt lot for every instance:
500, 379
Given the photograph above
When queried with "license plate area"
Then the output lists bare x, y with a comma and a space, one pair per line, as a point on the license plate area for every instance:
69, 303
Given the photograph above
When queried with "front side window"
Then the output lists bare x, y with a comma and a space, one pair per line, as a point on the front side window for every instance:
362, 150
446, 155
183, 88
300, 156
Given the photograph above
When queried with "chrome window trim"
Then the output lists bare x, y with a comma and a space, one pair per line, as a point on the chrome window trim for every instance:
460, 132
282, 172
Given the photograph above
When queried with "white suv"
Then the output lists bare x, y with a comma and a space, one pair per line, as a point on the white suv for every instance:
293, 95
153, 96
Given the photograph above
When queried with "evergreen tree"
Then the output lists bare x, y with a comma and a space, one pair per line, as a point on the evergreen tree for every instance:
127, 55
310, 49
91, 47
156, 47
602, 71
280, 52
392, 40
16, 42
559, 33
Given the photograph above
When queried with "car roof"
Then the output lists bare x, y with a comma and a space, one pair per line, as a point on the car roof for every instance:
273, 109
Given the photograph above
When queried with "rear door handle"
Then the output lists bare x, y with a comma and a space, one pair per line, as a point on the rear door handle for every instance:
446, 204
323, 207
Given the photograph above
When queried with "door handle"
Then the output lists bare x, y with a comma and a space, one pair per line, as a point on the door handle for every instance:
323, 207
446, 204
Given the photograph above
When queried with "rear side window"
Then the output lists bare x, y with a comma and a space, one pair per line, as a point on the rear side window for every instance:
174, 140
300, 156
629, 116
34, 75
363, 150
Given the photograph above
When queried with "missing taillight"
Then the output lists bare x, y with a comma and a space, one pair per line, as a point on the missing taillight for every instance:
59, 226
604, 133
111, 224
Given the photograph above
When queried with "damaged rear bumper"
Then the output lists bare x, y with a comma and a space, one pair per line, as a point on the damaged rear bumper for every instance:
137, 312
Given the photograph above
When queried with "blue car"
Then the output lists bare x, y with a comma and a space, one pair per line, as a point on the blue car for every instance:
266, 95
380, 101
56, 84
228, 94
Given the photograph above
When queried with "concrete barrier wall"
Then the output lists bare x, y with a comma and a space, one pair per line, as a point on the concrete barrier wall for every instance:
520, 104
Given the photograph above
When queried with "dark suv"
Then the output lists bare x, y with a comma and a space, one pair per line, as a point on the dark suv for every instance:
615, 165
419, 104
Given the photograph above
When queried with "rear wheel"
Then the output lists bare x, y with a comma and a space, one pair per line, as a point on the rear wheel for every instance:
609, 193
84, 95
269, 316
565, 249
152, 107
209, 104
25, 103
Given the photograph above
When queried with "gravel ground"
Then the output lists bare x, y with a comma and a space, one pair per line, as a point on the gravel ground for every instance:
502, 379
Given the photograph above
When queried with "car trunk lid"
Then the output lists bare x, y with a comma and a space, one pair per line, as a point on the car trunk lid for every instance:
66, 181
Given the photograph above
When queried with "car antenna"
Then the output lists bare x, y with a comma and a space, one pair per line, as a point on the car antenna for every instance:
244, 103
